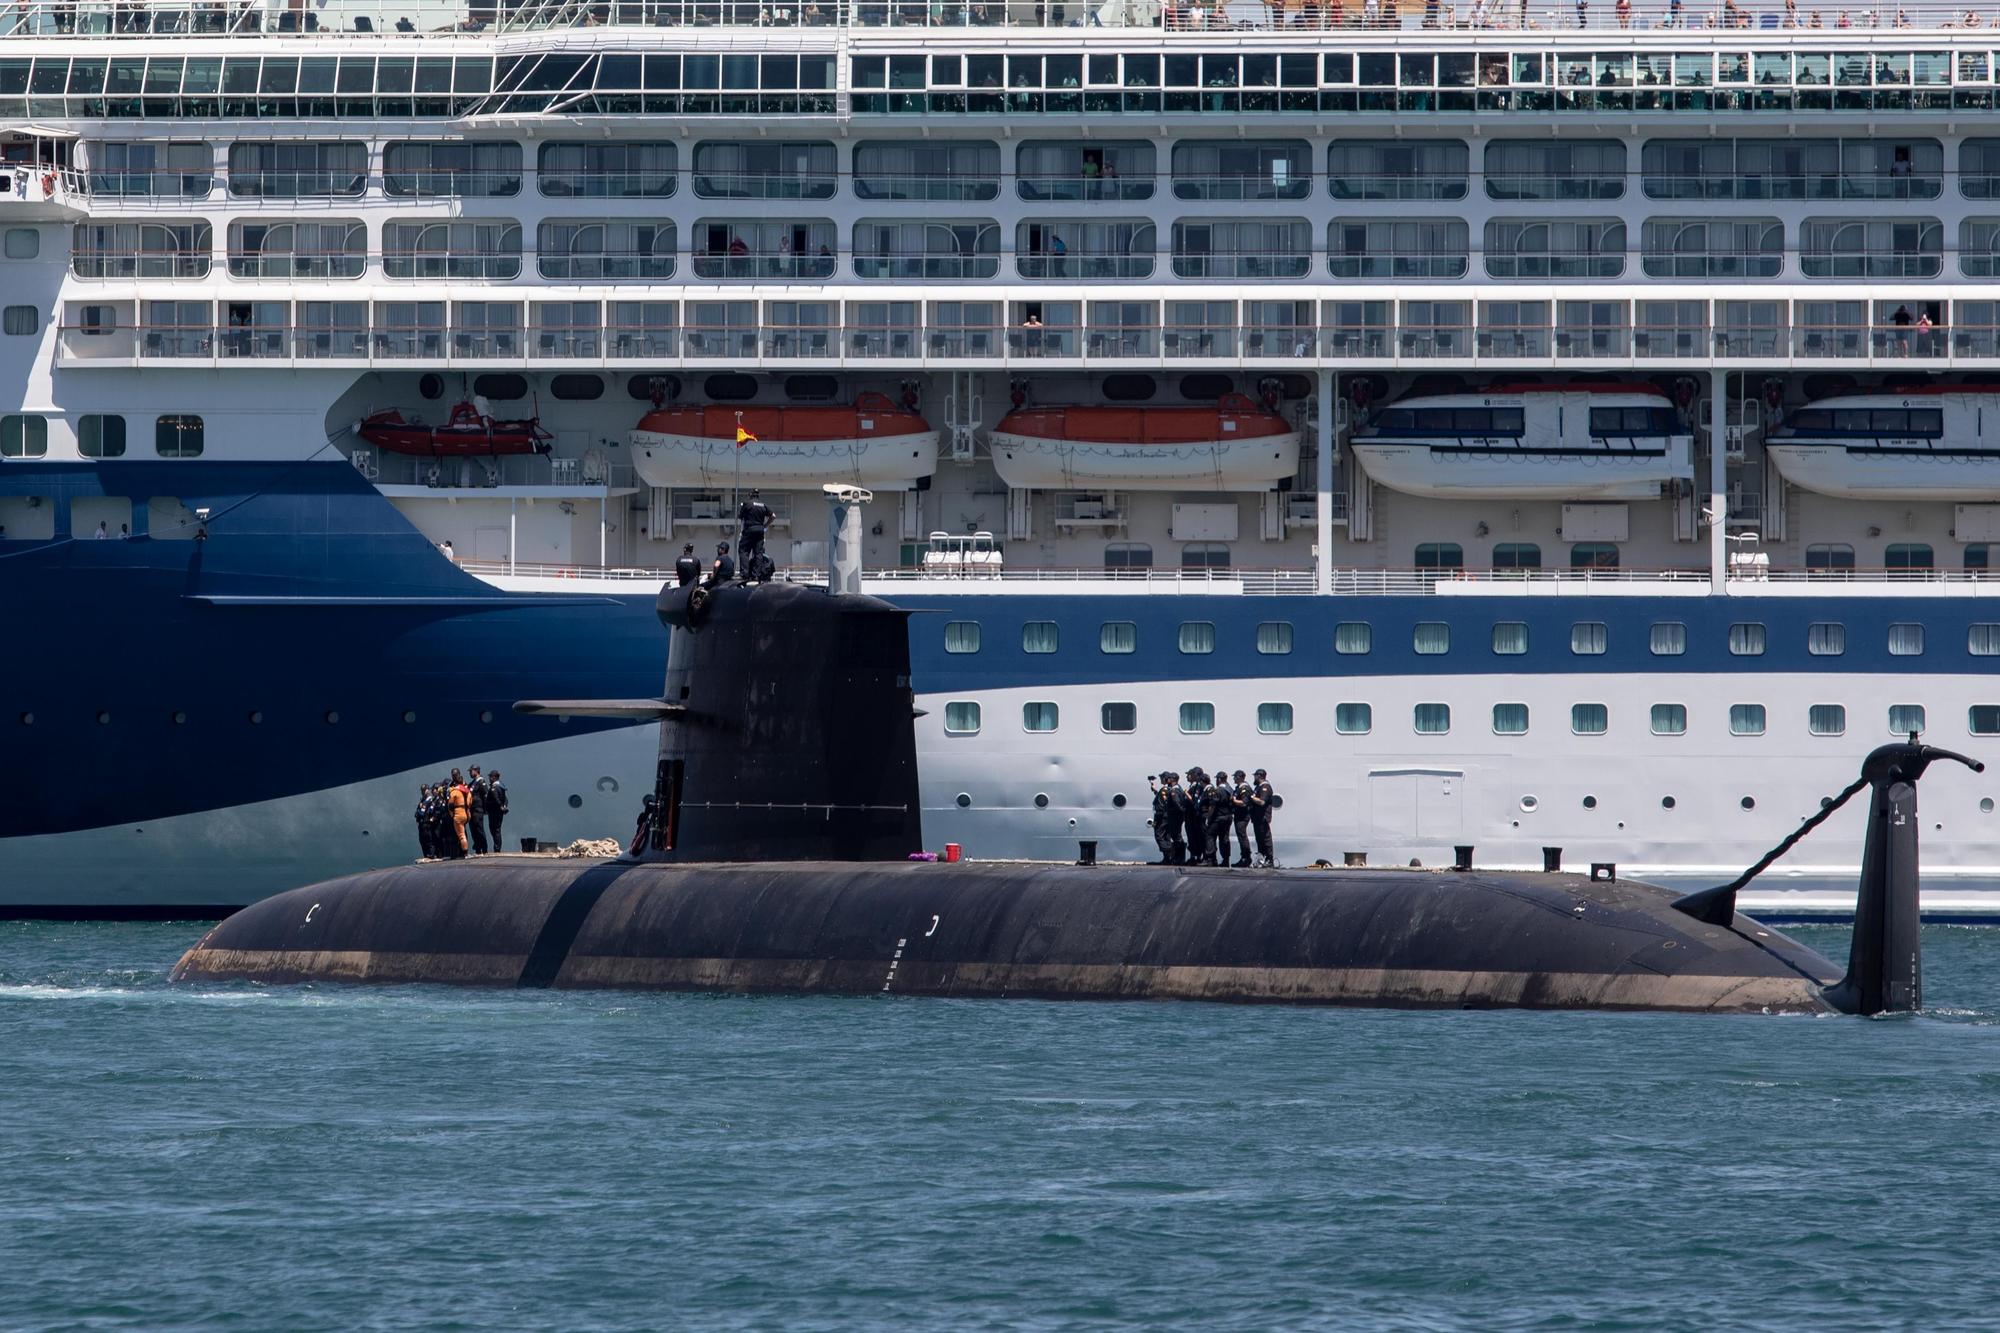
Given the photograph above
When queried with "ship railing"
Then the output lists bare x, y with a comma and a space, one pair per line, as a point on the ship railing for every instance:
1073, 188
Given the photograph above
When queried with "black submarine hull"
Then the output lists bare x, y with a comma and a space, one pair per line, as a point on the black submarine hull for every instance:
1411, 939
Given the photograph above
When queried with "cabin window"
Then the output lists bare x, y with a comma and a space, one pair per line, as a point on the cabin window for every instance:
1978, 555
24, 436
1632, 421
501, 388
1510, 719
19, 320
961, 636
488, 248
1746, 640
1670, 719
23, 243
1593, 555
607, 170
1906, 640
1274, 638
1431, 637
1353, 637
1983, 640
1746, 719
1039, 636
1510, 638
1907, 555
1197, 719
100, 436
1440, 555
1039, 716
1588, 638
1669, 639
1118, 636
1983, 719
450, 169
1825, 639
1205, 555
1826, 719
297, 169
1830, 555
1589, 719
1118, 717
1274, 719
180, 436
1905, 718
1359, 719
1197, 636
961, 718
576, 388
1432, 719
1517, 555
1128, 555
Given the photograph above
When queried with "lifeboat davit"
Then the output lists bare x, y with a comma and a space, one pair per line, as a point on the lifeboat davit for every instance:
872, 443
1230, 445
466, 433
1929, 443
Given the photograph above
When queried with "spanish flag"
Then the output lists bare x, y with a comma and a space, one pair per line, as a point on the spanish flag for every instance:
743, 436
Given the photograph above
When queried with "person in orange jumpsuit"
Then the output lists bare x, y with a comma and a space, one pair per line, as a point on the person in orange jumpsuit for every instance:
461, 809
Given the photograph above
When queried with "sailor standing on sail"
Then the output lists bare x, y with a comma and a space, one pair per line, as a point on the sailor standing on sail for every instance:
424, 823
687, 569
1163, 818
1240, 817
1194, 815
752, 518
475, 823
1262, 802
496, 807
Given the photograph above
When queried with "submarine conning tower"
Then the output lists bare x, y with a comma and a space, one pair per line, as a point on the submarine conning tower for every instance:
786, 733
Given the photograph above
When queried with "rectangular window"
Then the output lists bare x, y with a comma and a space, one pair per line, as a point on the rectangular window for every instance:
1118, 636
961, 636
1510, 638
1826, 720
101, 436
1510, 719
1983, 719
1274, 637
1431, 638
23, 243
1908, 555
1746, 719
1039, 716
961, 718
1517, 555
1353, 637
23, 436
1824, 639
1197, 719
1440, 555
1118, 717
1906, 640
1983, 640
179, 436
1197, 636
1039, 636
1670, 719
1905, 719
19, 320
1587, 638
1274, 719
1669, 639
1589, 719
1432, 719
1746, 640
1359, 719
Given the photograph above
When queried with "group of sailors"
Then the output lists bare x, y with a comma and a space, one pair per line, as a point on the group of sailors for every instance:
461, 817
753, 519
1192, 819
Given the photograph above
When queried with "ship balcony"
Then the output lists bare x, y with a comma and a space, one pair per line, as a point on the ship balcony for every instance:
32, 191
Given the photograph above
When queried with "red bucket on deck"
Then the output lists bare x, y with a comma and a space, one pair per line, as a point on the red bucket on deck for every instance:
951, 851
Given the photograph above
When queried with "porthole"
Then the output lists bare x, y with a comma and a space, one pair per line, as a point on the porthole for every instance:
575, 801
485, 715
1041, 800
409, 715
653, 388
577, 388
1825, 801
730, 388
1129, 388
28, 720
812, 388
501, 388
1748, 802
1986, 805
104, 719
1529, 802
180, 719
1666, 803
431, 386
1118, 802
965, 800
1206, 388
332, 717
256, 717
1590, 802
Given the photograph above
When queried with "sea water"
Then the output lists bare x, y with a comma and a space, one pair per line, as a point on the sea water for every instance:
240, 1157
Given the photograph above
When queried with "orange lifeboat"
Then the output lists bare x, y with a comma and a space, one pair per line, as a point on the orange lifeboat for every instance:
1232, 445
466, 433
871, 442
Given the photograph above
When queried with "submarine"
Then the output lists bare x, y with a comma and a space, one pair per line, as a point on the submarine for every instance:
775, 858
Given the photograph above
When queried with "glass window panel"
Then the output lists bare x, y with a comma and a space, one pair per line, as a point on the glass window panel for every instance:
1510, 638
1118, 717
1353, 637
1746, 719
1197, 719
1826, 719
1670, 719
1197, 636
1118, 636
1825, 639
1039, 636
1746, 640
1274, 719
1669, 639
961, 718
1589, 719
1274, 637
1432, 719
961, 636
1905, 719
1355, 719
1510, 719
1039, 716
1588, 638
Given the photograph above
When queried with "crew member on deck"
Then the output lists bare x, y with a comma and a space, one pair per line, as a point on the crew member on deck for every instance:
461, 810
1194, 819
724, 569
496, 807
643, 834
687, 569
1220, 811
1240, 817
424, 823
1262, 802
752, 519
475, 822
1163, 817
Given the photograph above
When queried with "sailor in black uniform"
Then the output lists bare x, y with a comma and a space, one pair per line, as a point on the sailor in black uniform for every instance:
424, 822
752, 518
475, 824
643, 834
1163, 819
1262, 802
1221, 809
724, 569
1240, 817
1194, 823
496, 807
687, 569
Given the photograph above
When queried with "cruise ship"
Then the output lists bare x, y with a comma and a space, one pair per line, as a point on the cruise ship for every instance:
1513, 426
